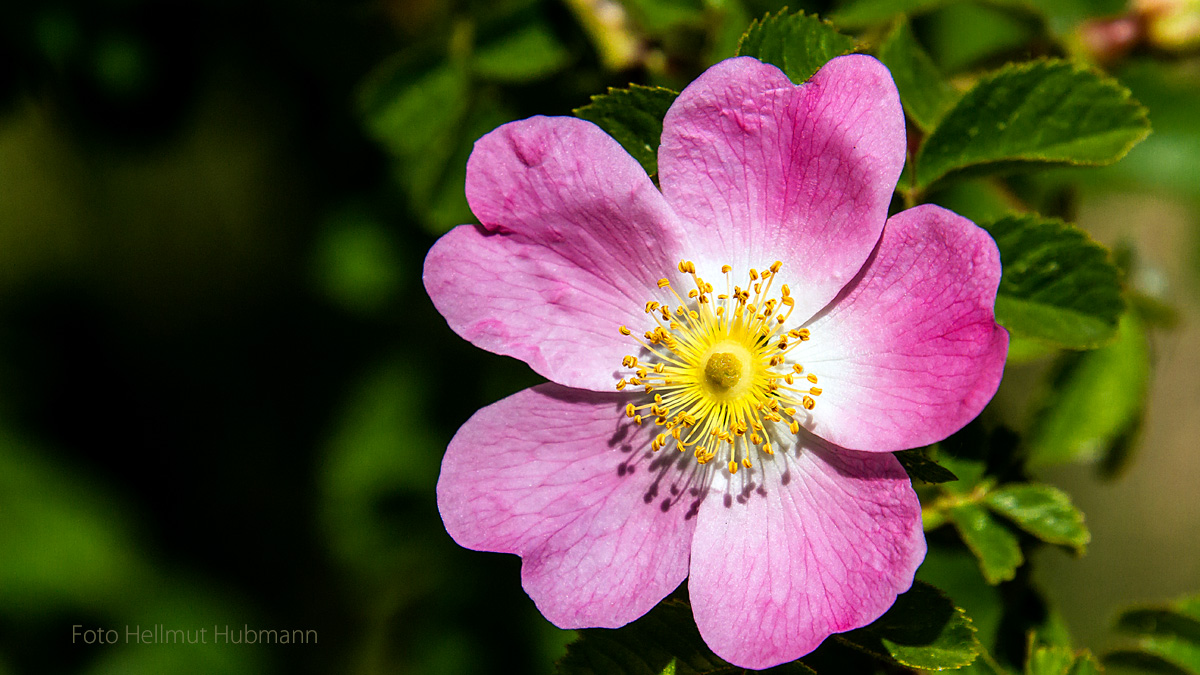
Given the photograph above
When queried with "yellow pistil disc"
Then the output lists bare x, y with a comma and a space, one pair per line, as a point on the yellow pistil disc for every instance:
722, 371
719, 367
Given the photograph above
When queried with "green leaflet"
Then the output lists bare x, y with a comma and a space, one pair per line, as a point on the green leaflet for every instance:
923, 630
1049, 660
993, 544
858, 13
634, 117
659, 17
1168, 638
797, 43
926, 95
1094, 401
528, 53
1043, 112
1043, 511
1057, 286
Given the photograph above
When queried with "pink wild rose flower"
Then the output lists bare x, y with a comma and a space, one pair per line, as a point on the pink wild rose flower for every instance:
731, 359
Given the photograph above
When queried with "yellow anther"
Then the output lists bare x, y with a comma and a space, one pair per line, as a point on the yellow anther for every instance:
630, 411
732, 466
664, 282
753, 274
637, 419
797, 367
809, 403
726, 269
621, 385
794, 427
815, 391
746, 462
789, 411
785, 291
625, 331
767, 448
775, 266
812, 378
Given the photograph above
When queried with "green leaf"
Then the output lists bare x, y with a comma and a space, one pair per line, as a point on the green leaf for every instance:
424, 119
997, 549
356, 265
528, 53
413, 111
1057, 285
663, 641
1043, 511
1143, 662
1169, 638
1086, 664
924, 469
1049, 661
859, 13
926, 95
923, 630
1095, 400
1042, 112
1159, 621
797, 43
634, 117
663, 16
955, 570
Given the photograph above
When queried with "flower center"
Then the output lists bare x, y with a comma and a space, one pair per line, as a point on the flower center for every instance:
719, 368
722, 371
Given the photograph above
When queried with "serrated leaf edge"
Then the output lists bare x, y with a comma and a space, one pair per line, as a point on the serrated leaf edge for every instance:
1123, 92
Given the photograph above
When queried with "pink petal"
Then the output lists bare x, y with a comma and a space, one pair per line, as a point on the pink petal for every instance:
563, 479
764, 171
574, 239
823, 546
911, 351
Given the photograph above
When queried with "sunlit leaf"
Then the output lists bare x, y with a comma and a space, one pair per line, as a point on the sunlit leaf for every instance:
530, 52
924, 92
1094, 399
661, 16
923, 630
1057, 285
798, 44
634, 117
858, 13
1037, 113
1047, 660
1169, 638
1043, 511
993, 544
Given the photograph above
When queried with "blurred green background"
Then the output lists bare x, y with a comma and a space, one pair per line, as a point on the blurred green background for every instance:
224, 395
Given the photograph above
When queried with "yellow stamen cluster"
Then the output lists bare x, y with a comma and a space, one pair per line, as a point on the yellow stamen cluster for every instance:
719, 368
